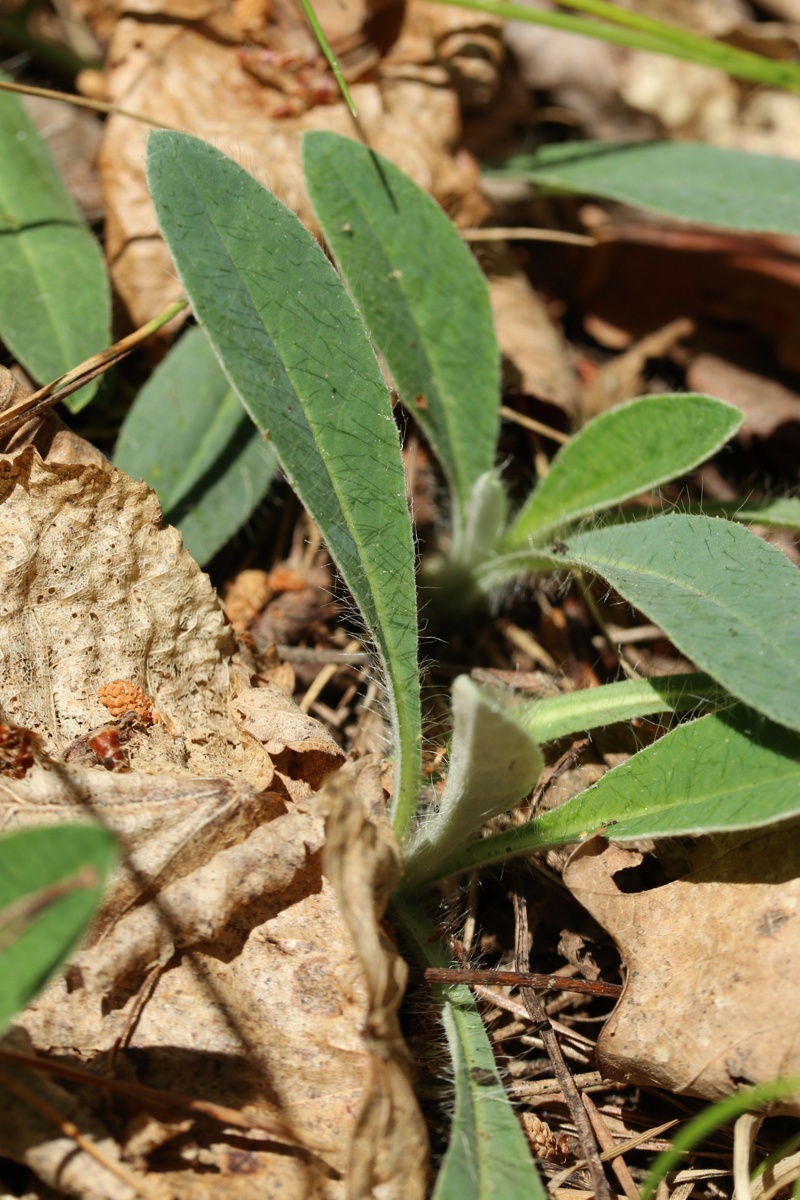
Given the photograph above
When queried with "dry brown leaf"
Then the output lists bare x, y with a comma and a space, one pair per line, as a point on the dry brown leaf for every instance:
362, 861
713, 963
622, 377
219, 965
536, 353
766, 404
193, 77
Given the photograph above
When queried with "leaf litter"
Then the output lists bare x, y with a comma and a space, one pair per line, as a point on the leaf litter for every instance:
222, 964
157, 967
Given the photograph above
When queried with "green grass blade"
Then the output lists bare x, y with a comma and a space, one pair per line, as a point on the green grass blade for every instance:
591, 708
55, 304
422, 295
733, 189
297, 355
488, 1157
727, 599
187, 436
325, 47
750, 1099
733, 770
619, 454
50, 884
672, 41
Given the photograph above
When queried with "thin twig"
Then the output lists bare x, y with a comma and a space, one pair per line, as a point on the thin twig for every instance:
522, 979
37, 402
70, 1130
525, 234
605, 1140
101, 106
548, 431
546, 1032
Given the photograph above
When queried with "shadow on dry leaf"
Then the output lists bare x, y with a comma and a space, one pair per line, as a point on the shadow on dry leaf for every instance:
713, 962
222, 965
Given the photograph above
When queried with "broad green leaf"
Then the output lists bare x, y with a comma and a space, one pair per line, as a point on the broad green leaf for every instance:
50, 883
422, 296
727, 599
706, 184
619, 454
493, 765
487, 1157
55, 304
591, 708
733, 770
187, 436
297, 355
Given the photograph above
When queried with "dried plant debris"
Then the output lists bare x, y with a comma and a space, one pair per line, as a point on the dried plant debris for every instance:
700, 952
220, 965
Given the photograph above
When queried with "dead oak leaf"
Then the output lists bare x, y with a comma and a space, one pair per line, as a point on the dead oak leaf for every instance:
713, 963
219, 964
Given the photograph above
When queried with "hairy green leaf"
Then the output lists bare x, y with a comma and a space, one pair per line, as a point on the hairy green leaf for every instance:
733, 770
424, 300
50, 883
707, 184
783, 513
55, 303
297, 355
559, 716
187, 436
494, 763
619, 454
488, 1157
727, 599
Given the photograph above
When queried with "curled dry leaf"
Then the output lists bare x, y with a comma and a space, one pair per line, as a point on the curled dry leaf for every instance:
713, 963
200, 77
219, 965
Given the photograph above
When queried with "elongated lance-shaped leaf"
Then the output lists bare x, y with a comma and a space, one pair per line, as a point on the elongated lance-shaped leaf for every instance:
727, 599
425, 302
733, 770
55, 301
493, 765
51, 881
297, 355
573, 712
621, 453
215, 467
707, 184
487, 1157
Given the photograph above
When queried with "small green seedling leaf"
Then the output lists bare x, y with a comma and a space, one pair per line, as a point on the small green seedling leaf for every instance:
591, 708
50, 884
620, 454
422, 295
297, 355
55, 304
487, 1157
727, 599
494, 763
188, 437
706, 184
733, 770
